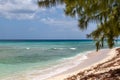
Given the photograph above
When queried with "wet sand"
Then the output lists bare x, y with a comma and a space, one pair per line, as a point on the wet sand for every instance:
93, 59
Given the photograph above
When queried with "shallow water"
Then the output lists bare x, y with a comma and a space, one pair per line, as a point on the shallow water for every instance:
18, 56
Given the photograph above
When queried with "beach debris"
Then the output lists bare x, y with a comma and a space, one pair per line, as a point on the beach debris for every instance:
108, 70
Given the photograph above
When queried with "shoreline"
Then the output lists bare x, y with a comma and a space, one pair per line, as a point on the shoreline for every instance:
91, 58
94, 59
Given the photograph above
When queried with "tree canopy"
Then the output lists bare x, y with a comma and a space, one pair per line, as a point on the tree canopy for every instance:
105, 13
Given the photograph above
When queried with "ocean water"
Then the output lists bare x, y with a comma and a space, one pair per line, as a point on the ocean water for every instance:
20, 56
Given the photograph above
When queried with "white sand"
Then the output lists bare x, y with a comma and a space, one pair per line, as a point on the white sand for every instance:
93, 59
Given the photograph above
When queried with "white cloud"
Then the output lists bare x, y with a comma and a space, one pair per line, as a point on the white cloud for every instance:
10, 5
23, 9
18, 9
64, 23
19, 16
59, 22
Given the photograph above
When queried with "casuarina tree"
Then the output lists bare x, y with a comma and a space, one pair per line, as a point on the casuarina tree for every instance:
105, 13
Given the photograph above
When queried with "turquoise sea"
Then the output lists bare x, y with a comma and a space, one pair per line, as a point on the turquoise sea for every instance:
18, 56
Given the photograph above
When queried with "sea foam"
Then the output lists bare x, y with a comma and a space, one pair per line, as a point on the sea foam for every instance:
64, 65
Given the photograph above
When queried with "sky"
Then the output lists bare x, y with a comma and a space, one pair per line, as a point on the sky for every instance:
24, 19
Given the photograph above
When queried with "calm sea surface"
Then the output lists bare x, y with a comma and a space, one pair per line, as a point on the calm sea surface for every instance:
18, 56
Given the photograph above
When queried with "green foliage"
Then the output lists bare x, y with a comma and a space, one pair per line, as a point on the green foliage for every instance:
49, 3
106, 13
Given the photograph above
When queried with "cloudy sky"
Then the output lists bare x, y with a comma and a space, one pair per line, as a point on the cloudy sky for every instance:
23, 19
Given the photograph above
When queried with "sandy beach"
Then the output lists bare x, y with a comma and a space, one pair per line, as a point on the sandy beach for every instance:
98, 66
93, 59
